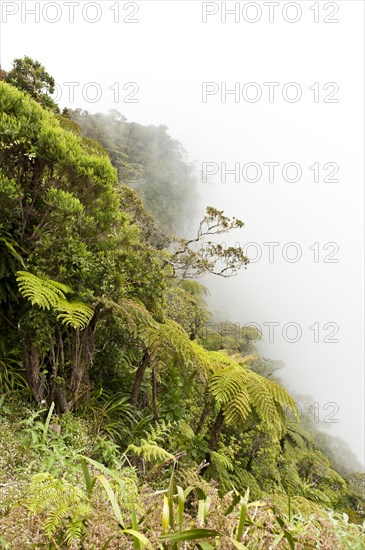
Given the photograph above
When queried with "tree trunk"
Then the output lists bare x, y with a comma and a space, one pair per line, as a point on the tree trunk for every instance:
216, 430
82, 358
58, 392
154, 394
139, 377
205, 412
32, 367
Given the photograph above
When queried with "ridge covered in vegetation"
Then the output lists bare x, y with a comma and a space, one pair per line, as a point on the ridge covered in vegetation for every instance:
124, 424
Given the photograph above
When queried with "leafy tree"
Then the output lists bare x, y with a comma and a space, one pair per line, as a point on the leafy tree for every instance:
186, 305
195, 257
31, 77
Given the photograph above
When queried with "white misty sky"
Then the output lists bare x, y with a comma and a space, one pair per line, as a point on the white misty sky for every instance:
169, 53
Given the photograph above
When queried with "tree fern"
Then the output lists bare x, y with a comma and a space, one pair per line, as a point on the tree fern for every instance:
75, 314
135, 314
169, 340
40, 291
51, 295
297, 435
240, 391
228, 386
224, 467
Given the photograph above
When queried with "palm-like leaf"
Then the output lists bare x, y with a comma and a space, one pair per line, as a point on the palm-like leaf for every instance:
51, 295
240, 391
135, 314
40, 291
75, 314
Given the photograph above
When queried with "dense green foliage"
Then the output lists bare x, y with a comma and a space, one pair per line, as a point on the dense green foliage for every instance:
111, 388
31, 77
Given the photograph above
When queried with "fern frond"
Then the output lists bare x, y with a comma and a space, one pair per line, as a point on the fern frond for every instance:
316, 495
291, 477
202, 357
295, 439
55, 517
74, 531
297, 435
66, 506
49, 294
159, 432
136, 316
169, 340
150, 452
223, 467
238, 410
185, 430
220, 359
169, 337
41, 291
240, 391
74, 314
221, 461
261, 397
241, 480
226, 383
282, 397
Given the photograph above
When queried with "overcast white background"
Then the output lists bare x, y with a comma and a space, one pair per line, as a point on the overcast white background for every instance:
169, 53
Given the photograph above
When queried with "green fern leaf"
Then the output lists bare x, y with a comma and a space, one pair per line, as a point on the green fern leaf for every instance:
75, 314
40, 291
150, 452
240, 391
49, 294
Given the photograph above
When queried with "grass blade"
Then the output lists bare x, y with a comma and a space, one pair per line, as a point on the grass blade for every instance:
88, 481
140, 536
112, 498
191, 534
180, 506
170, 498
136, 541
104, 469
48, 420
165, 516
243, 514
238, 545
